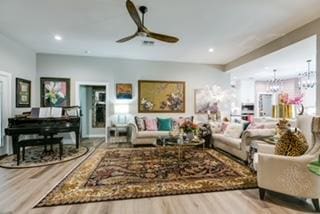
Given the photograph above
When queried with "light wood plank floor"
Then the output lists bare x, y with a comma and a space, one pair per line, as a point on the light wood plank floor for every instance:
21, 189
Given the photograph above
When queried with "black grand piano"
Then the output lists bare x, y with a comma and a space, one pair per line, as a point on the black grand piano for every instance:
32, 125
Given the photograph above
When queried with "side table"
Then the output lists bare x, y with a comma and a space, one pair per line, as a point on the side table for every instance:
118, 133
254, 148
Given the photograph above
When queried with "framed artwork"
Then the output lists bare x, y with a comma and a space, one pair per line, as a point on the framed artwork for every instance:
204, 103
124, 91
23, 93
55, 92
161, 96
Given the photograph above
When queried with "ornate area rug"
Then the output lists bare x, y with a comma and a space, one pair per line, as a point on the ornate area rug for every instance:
35, 157
111, 174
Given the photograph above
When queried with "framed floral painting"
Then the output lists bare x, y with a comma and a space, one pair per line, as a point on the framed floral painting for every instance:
161, 96
23, 93
55, 92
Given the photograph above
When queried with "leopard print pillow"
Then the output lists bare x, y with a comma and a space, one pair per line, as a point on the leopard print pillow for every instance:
291, 143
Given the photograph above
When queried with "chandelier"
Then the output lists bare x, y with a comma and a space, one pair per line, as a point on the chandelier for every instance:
275, 85
307, 79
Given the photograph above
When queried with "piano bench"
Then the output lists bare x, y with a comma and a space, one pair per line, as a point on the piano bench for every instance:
39, 142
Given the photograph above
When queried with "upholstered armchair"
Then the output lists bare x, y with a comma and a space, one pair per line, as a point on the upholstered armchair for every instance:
290, 175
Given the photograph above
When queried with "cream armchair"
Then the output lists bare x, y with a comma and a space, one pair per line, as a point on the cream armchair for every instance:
290, 175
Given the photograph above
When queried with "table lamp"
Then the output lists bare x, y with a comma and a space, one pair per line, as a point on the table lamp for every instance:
121, 110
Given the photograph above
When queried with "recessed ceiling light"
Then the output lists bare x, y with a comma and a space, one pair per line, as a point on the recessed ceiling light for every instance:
266, 68
211, 50
57, 37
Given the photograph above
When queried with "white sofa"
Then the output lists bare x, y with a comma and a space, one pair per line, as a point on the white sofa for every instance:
239, 147
145, 137
138, 137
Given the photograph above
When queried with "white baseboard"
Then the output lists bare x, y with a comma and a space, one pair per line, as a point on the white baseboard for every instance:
94, 136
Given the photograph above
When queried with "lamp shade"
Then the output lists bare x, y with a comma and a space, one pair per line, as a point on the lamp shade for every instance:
121, 108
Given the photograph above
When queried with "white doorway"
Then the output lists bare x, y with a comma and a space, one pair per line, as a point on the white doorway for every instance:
5, 110
265, 104
93, 98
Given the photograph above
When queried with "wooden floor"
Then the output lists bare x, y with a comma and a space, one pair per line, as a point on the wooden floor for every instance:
21, 189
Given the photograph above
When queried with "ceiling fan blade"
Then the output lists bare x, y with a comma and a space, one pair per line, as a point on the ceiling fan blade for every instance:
134, 13
127, 38
162, 37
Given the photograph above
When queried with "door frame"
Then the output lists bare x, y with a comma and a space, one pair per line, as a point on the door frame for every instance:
78, 84
257, 101
6, 110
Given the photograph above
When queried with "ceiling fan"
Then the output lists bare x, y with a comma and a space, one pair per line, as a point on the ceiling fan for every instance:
142, 30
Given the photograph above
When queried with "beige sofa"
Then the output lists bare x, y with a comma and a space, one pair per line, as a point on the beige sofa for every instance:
145, 137
239, 147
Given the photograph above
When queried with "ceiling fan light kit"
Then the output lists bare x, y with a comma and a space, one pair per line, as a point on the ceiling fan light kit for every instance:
142, 30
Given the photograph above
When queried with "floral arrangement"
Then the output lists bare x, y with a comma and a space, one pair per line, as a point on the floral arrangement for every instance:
188, 126
286, 100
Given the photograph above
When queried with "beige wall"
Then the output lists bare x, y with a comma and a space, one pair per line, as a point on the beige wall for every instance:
19, 61
93, 69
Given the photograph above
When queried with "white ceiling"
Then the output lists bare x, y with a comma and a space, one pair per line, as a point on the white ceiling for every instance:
289, 62
232, 28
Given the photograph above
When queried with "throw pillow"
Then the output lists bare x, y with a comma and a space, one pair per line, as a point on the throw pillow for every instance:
245, 127
140, 123
165, 124
216, 127
151, 124
282, 127
292, 143
224, 126
233, 130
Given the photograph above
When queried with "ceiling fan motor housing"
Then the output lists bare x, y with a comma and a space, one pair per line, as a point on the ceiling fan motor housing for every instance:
143, 9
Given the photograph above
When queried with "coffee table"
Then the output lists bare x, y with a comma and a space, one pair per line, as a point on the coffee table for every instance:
179, 144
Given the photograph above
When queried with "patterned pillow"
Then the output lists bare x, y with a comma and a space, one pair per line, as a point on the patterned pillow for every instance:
151, 124
216, 127
140, 123
292, 143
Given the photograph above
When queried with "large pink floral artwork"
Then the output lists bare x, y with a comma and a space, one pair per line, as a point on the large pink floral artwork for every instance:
55, 92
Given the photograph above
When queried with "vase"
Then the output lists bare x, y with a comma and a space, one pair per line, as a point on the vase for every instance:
300, 109
189, 135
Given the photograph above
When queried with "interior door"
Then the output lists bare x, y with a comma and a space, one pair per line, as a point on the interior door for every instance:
265, 105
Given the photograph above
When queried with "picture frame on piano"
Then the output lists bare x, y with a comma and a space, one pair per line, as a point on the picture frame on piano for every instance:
55, 92
23, 93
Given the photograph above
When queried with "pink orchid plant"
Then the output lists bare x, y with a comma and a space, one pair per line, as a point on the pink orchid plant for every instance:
285, 99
